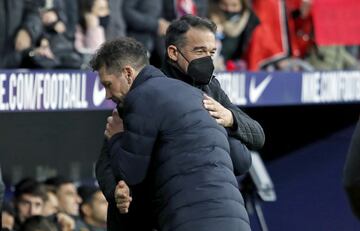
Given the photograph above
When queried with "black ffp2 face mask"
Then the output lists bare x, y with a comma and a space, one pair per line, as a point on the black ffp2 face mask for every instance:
200, 70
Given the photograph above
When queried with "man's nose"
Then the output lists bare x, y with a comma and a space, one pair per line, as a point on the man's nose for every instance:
78, 199
33, 210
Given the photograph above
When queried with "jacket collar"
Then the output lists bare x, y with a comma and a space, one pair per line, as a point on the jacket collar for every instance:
172, 71
146, 73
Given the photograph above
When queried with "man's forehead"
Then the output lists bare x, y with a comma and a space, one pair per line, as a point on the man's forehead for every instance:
199, 37
68, 186
31, 197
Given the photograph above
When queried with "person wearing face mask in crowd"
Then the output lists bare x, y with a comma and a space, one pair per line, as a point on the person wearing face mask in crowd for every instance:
90, 33
235, 21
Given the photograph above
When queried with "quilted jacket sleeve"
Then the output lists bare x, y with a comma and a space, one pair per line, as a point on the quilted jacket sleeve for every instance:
240, 156
245, 128
104, 173
130, 151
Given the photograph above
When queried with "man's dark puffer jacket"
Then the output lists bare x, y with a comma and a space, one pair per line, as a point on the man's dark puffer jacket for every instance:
172, 140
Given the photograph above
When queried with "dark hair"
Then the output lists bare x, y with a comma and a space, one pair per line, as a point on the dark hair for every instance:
87, 193
8, 207
57, 181
175, 34
115, 54
85, 6
30, 186
38, 223
245, 5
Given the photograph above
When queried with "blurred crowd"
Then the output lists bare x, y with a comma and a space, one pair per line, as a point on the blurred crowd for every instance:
54, 204
252, 34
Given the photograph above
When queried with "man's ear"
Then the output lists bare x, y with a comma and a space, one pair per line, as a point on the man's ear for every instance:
173, 53
86, 209
130, 73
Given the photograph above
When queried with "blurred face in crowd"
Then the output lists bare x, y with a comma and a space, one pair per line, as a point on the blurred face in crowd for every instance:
69, 199
29, 205
117, 85
199, 43
100, 8
51, 206
96, 211
231, 6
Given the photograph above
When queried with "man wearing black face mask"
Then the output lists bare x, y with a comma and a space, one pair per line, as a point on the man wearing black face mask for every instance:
190, 43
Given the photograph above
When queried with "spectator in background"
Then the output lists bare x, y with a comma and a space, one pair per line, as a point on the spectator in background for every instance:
327, 58
301, 31
39, 223
54, 21
235, 22
276, 43
144, 21
171, 10
20, 28
69, 201
174, 9
90, 33
51, 204
351, 175
93, 209
94, 19
51, 211
29, 197
117, 25
296, 35
66, 192
71, 9
269, 41
301, 28
35, 38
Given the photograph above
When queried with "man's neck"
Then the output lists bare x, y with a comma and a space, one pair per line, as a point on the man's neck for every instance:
171, 70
